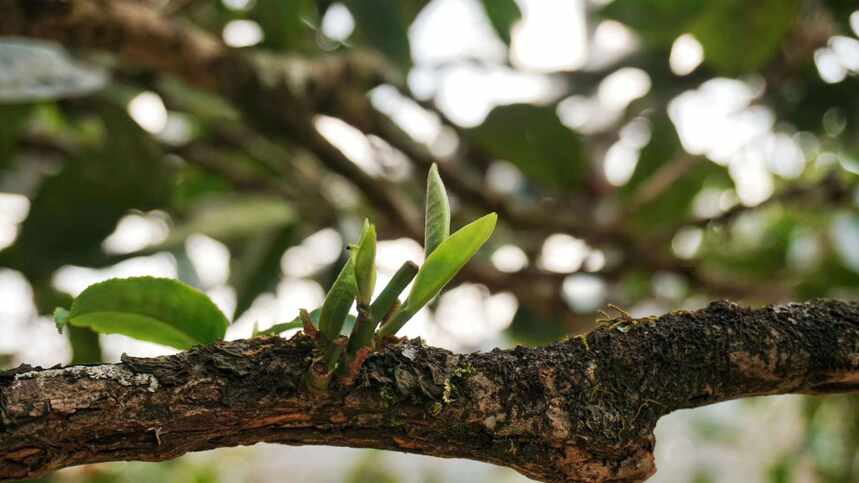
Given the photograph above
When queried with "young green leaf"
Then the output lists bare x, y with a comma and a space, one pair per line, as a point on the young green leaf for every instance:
365, 264
160, 310
437, 224
278, 328
338, 301
388, 298
61, 318
440, 267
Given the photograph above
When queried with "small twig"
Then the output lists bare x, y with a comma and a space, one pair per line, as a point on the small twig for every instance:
354, 365
309, 328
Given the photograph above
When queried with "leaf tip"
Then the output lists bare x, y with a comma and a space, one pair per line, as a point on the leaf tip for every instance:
490, 220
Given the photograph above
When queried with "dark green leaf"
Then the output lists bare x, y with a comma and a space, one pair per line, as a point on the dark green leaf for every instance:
160, 310
74, 210
672, 203
502, 15
533, 138
14, 121
383, 24
338, 301
740, 36
658, 22
737, 36
534, 329
287, 23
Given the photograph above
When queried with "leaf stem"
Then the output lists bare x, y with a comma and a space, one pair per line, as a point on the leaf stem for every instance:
362, 334
388, 298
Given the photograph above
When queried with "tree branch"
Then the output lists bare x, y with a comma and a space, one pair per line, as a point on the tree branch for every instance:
577, 410
279, 95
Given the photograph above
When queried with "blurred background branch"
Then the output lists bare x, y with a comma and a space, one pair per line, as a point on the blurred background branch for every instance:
654, 155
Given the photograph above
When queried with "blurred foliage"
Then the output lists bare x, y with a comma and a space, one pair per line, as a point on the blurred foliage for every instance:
503, 14
84, 164
532, 138
830, 446
369, 468
721, 27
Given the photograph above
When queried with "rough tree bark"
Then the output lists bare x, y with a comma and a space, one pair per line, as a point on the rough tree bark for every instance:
583, 409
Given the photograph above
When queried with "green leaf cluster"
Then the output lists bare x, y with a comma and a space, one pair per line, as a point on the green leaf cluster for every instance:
169, 312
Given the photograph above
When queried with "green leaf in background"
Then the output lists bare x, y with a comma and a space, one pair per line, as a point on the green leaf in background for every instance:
658, 22
75, 209
383, 24
231, 217
737, 36
287, 23
160, 310
338, 301
437, 225
533, 138
502, 15
531, 328
14, 121
664, 147
440, 268
257, 229
365, 264
740, 36
256, 269
659, 205
674, 204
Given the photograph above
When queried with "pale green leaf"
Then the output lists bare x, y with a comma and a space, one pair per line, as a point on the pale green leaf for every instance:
440, 267
437, 227
160, 310
365, 264
338, 301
